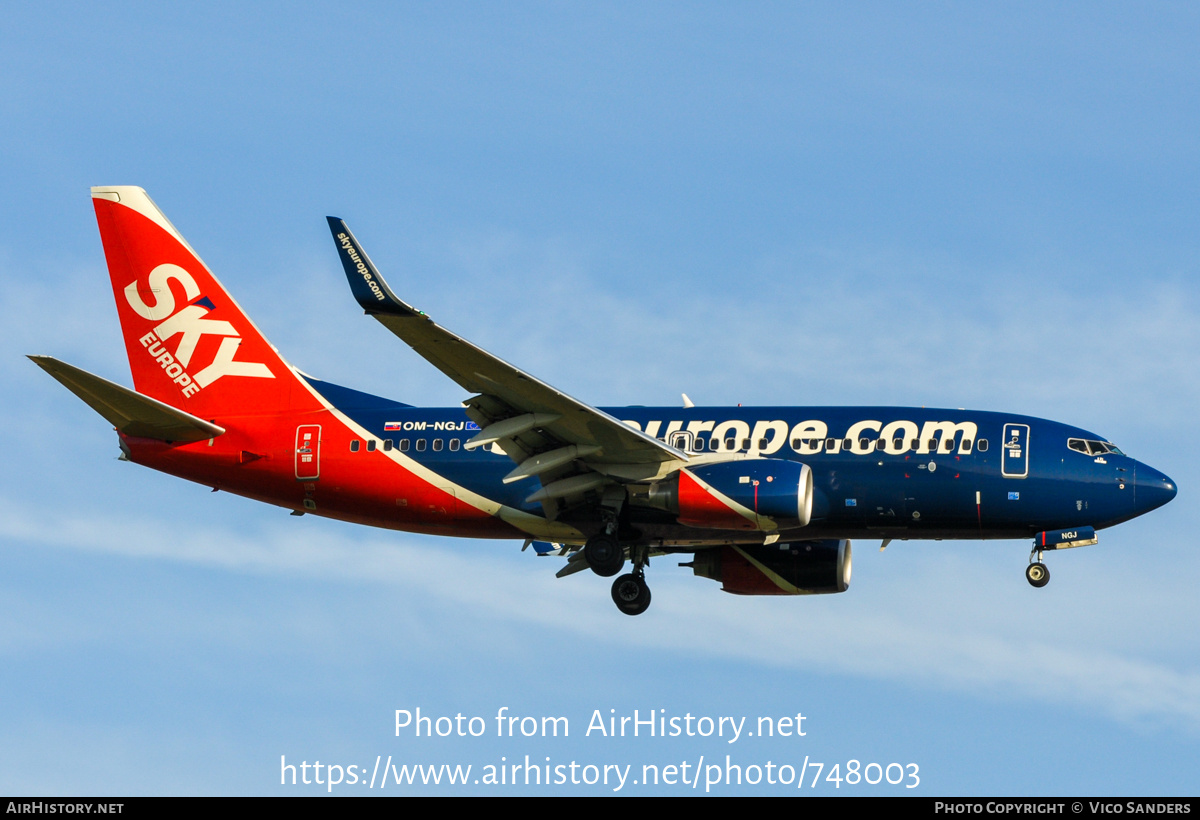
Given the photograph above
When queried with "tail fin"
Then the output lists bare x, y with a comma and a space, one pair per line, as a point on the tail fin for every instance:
189, 344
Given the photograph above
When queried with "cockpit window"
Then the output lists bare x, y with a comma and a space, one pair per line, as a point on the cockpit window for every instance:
1093, 448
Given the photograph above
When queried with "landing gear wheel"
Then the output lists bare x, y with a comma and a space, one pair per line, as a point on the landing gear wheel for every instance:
1038, 574
604, 555
630, 594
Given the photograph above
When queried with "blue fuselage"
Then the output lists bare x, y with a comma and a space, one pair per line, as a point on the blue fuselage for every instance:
888, 472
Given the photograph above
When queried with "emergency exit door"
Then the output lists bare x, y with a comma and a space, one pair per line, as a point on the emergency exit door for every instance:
308, 452
1014, 453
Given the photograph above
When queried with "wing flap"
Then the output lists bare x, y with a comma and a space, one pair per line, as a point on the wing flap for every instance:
127, 410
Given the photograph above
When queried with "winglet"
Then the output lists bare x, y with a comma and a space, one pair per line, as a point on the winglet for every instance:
366, 284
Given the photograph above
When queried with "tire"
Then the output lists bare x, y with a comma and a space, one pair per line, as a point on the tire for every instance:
604, 555
630, 594
1037, 574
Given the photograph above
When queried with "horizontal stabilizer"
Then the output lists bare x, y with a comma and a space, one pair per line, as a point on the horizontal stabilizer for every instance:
127, 410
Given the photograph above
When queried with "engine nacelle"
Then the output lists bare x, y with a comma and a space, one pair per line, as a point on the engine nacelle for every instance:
792, 568
755, 494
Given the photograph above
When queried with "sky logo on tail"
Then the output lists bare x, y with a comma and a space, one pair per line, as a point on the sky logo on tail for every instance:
189, 324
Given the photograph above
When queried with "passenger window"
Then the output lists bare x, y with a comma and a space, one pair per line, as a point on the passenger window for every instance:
847, 444
830, 444
864, 443
387, 444
730, 444
354, 446
898, 444
420, 444
454, 444
404, 445
916, 444
371, 446
981, 445
762, 444
966, 445
437, 444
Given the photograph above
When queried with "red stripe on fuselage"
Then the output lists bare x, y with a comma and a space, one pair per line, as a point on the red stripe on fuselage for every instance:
256, 458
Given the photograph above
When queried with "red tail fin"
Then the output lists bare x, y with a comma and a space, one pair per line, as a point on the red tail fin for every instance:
189, 343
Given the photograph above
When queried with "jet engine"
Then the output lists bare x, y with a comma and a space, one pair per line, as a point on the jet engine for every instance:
757, 494
790, 568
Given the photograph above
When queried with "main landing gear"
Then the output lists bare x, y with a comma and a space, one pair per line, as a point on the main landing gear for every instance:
603, 551
606, 557
630, 593
1037, 573
604, 554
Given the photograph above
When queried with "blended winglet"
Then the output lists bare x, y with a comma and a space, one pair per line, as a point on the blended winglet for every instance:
366, 284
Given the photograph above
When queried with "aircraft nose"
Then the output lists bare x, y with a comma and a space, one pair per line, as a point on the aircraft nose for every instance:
1153, 488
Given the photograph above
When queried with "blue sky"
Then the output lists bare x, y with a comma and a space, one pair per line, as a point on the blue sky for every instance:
986, 206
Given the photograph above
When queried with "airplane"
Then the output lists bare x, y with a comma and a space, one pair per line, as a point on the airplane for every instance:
765, 500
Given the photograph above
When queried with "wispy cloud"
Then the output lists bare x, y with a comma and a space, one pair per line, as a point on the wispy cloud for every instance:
889, 639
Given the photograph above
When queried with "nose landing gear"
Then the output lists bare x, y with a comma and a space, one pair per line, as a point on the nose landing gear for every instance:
1037, 573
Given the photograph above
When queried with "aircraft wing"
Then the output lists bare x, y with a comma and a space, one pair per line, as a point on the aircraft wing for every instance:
540, 427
